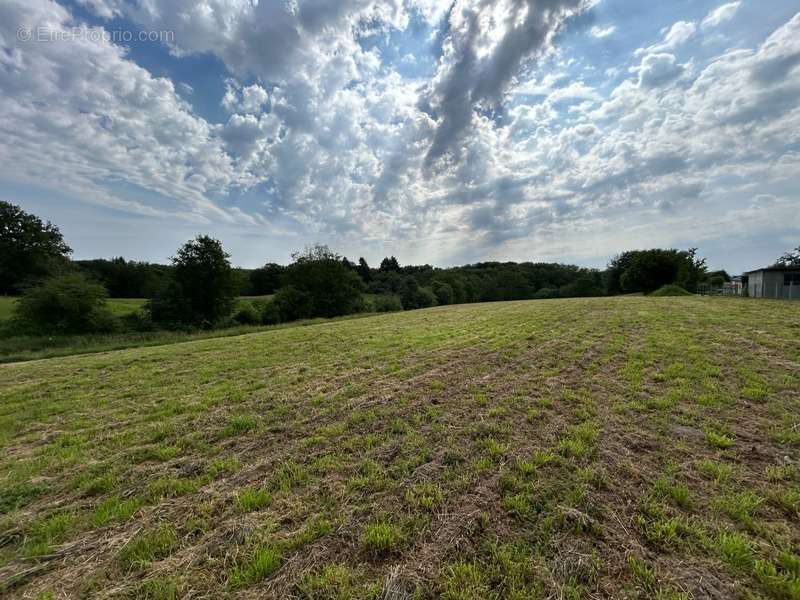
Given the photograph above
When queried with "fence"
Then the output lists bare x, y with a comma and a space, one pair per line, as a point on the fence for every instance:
776, 290
756, 290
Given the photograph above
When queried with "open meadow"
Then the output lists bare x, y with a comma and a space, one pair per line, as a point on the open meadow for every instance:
119, 307
625, 447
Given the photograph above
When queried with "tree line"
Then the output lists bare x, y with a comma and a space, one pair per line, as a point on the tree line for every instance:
200, 287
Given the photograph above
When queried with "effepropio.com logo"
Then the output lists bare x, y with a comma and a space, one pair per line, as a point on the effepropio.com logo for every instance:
93, 34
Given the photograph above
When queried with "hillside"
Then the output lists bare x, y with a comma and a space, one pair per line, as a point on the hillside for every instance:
627, 447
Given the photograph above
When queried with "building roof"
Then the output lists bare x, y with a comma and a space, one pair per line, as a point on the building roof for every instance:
777, 269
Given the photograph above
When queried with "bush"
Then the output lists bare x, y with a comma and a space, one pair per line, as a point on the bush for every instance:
426, 298
387, 303
247, 315
670, 290
443, 291
66, 304
139, 321
413, 296
270, 313
292, 304
545, 294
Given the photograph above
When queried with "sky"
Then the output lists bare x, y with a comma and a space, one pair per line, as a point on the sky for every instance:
439, 131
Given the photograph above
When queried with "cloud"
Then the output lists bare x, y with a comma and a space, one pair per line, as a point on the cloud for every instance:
677, 35
84, 116
658, 69
602, 32
484, 49
721, 14
251, 99
106, 9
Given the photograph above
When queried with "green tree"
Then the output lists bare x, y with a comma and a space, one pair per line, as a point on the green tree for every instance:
69, 303
267, 280
649, 270
203, 287
364, 271
389, 264
443, 291
291, 304
125, 279
333, 288
29, 248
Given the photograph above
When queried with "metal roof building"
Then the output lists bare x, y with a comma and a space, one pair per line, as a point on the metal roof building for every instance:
774, 282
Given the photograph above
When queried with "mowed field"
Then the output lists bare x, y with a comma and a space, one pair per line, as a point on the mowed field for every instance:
626, 447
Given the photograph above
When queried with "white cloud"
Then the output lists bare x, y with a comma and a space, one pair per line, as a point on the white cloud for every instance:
677, 35
251, 99
658, 69
720, 15
84, 116
602, 32
107, 9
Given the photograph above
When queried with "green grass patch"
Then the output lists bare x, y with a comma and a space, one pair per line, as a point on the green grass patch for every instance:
147, 547
382, 538
115, 510
262, 562
252, 499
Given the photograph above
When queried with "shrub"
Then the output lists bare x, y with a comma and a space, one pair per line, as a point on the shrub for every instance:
670, 290
414, 297
270, 313
141, 320
443, 291
387, 303
66, 304
292, 304
247, 315
545, 294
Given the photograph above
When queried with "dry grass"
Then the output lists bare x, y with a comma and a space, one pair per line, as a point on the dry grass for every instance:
630, 447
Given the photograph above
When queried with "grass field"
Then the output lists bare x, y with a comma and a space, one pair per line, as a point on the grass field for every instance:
120, 307
6, 307
628, 447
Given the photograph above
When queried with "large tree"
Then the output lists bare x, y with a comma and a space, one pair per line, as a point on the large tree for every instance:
126, 279
333, 288
203, 286
267, 280
29, 248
